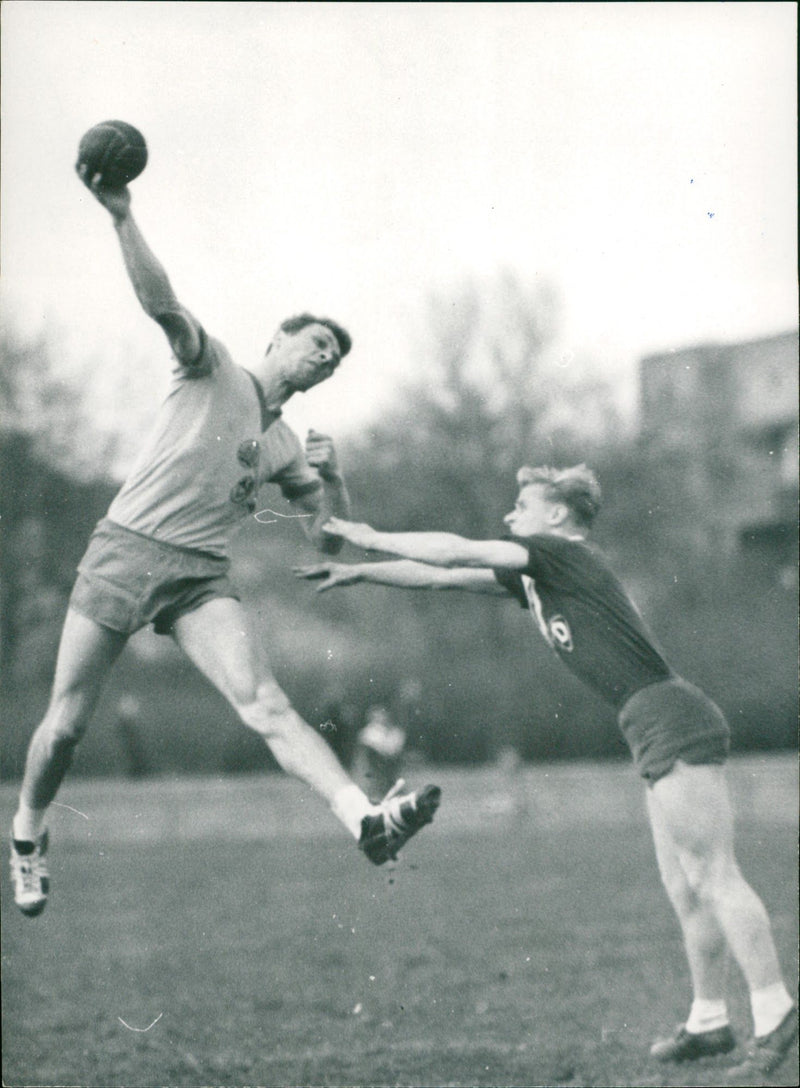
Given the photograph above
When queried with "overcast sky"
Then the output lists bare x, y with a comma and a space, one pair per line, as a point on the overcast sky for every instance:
351, 158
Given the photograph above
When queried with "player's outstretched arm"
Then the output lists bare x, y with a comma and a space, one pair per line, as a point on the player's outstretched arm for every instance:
150, 281
402, 573
440, 549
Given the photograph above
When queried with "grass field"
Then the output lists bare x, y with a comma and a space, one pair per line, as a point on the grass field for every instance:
226, 932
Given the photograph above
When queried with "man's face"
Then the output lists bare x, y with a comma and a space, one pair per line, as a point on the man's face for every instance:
533, 513
309, 356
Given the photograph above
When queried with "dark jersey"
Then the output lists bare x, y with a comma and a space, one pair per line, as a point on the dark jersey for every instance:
586, 616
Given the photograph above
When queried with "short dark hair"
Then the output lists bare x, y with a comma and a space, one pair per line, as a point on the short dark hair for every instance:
576, 487
294, 324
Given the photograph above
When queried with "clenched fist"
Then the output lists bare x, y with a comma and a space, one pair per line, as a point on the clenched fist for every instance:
321, 455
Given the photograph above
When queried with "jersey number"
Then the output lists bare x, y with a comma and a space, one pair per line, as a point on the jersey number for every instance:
555, 631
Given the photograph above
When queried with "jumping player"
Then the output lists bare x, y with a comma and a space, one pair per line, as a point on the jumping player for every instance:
161, 557
679, 739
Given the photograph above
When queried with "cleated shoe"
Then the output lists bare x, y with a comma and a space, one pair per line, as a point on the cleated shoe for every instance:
766, 1052
688, 1046
400, 817
29, 874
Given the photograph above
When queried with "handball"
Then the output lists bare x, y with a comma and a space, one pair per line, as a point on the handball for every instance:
115, 150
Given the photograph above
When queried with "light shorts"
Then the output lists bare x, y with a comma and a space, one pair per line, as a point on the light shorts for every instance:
673, 720
127, 580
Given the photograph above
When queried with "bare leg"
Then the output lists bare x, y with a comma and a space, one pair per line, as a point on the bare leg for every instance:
690, 807
217, 639
85, 655
703, 938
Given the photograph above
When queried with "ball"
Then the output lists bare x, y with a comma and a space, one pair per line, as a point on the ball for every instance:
115, 150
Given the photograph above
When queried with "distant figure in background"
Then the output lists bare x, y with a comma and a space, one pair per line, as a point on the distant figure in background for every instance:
511, 798
161, 557
126, 723
380, 752
679, 738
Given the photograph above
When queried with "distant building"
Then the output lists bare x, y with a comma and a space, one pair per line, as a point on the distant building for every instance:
723, 421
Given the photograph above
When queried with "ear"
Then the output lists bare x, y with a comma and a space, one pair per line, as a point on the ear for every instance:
557, 514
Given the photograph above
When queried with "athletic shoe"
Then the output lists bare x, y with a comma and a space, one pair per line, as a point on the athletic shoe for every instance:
400, 817
766, 1052
688, 1046
29, 874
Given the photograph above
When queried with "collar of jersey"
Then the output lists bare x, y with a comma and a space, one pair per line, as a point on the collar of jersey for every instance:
268, 415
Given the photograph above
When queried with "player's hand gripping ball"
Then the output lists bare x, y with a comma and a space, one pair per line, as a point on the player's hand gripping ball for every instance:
115, 150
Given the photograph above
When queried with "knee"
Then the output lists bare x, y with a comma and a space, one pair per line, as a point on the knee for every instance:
266, 708
724, 883
66, 721
681, 893
710, 878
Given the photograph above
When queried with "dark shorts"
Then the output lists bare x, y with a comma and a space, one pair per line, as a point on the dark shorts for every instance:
127, 580
669, 721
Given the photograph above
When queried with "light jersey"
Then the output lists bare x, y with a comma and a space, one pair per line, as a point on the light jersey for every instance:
586, 616
213, 444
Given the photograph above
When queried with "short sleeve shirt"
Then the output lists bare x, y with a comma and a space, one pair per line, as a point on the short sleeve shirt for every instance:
586, 616
213, 444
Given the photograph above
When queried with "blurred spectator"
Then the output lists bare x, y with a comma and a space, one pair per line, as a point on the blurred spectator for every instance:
380, 750
126, 723
511, 798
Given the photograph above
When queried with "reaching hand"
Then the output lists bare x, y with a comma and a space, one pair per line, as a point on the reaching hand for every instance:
357, 533
321, 455
335, 574
116, 201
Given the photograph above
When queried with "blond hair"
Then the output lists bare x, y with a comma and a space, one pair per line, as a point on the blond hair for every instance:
576, 487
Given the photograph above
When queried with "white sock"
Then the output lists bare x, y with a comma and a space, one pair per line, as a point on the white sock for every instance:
706, 1015
769, 1006
28, 823
350, 806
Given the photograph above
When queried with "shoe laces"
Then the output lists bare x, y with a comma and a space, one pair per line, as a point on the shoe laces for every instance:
392, 807
29, 872
29, 868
